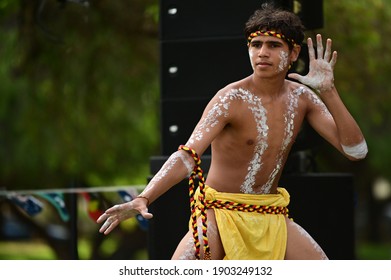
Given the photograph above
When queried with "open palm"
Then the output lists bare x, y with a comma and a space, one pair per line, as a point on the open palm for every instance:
321, 69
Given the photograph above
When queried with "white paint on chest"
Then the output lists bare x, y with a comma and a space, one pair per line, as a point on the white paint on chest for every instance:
259, 113
289, 118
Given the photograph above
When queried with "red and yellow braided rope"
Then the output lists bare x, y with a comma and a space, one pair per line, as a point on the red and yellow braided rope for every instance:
197, 172
229, 205
270, 33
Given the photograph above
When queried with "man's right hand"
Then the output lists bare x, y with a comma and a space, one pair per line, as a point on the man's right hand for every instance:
118, 213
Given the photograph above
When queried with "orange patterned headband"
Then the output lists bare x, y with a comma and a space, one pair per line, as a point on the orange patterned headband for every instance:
270, 33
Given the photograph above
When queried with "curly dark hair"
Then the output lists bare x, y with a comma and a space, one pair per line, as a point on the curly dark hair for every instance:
270, 18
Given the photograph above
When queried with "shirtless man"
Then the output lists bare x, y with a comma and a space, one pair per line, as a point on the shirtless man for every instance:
251, 125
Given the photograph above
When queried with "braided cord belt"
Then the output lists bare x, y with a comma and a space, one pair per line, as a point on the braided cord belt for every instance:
263, 209
197, 172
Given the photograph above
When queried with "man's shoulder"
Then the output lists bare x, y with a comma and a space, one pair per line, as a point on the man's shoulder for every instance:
298, 88
240, 85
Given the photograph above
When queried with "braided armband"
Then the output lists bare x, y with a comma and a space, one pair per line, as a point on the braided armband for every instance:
197, 173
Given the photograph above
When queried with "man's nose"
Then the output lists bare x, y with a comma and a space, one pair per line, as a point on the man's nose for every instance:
263, 51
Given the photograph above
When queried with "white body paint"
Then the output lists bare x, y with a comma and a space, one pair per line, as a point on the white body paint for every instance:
170, 164
221, 109
358, 151
315, 245
260, 117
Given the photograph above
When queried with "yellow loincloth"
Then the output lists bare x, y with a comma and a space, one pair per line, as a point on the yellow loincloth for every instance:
251, 235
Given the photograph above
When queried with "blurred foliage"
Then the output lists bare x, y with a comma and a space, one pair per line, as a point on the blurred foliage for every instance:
360, 33
79, 88
79, 92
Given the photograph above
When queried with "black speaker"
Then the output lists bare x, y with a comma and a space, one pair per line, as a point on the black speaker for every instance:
186, 19
178, 120
310, 12
170, 222
322, 203
199, 68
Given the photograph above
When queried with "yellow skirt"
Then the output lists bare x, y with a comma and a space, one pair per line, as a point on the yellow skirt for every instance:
250, 235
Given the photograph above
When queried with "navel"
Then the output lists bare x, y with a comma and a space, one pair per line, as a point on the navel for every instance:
250, 142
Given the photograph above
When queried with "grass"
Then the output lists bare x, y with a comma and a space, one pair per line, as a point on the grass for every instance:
25, 250
38, 250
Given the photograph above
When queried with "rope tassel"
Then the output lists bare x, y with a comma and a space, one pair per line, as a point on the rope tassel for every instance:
198, 173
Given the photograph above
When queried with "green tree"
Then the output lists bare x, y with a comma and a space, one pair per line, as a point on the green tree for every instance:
79, 99
79, 92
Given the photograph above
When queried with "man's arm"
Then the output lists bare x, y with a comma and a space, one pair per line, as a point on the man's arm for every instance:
341, 130
178, 166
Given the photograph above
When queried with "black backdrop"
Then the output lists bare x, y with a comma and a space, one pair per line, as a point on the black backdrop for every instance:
202, 49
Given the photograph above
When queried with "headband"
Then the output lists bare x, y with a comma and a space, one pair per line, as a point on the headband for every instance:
270, 33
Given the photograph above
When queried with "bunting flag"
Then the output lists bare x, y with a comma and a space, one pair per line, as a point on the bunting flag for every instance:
129, 196
94, 205
27, 203
31, 201
57, 200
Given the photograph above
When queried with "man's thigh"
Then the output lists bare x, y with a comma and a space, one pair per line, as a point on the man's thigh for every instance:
300, 245
185, 249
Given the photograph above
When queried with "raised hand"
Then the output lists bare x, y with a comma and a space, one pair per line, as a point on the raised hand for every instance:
321, 69
118, 213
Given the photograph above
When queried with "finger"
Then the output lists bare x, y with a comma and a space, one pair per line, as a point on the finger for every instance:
311, 52
105, 225
102, 217
110, 227
114, 209
319, 46
327, 53
295, 76
146, 214
333, 59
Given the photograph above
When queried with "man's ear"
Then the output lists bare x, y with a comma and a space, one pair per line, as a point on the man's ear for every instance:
295, 53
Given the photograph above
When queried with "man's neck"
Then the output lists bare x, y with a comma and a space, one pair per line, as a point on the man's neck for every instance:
268, 87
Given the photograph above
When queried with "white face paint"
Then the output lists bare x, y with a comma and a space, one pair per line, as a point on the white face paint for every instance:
283, 61
251, 55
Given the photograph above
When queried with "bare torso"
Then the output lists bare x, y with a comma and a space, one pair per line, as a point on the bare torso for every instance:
249, 153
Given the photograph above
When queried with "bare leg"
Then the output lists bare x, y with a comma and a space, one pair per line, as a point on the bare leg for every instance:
300, 245
185, 249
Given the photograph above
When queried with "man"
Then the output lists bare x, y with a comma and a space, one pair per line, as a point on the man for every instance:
240, 212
